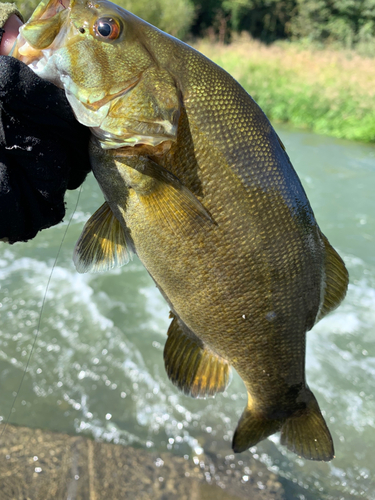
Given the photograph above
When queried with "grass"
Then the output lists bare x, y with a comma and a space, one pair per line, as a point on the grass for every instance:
329, 92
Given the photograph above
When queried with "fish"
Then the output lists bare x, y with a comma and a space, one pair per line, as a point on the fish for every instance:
199, 186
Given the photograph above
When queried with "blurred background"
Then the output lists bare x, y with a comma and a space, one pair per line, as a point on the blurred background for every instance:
306, 62
97, 364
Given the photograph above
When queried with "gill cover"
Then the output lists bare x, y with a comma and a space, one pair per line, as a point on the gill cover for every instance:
102, 56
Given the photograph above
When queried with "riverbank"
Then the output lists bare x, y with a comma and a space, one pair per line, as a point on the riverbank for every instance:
328, 92
38, 464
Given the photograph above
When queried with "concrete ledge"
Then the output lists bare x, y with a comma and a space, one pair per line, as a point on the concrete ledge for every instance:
43, 465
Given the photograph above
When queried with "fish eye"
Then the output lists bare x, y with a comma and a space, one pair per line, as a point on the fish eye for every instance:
107, 28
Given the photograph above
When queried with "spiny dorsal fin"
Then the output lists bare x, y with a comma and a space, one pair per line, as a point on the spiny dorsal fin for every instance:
306, 433
193, 368
102, 244
337, 279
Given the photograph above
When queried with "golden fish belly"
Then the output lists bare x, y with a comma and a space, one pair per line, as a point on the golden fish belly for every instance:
246, 286
241, 284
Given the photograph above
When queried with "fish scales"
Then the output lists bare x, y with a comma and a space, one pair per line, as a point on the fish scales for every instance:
214, 133
197, 184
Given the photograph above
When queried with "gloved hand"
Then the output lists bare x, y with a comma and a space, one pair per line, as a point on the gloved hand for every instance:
43, 152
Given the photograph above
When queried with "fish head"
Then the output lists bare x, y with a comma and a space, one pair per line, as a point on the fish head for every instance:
102, 56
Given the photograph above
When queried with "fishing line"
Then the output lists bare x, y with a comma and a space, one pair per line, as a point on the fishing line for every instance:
40, 317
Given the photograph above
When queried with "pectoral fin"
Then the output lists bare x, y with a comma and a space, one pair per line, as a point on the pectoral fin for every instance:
102, 244
337, 279
191, 366
167, 201
177, 208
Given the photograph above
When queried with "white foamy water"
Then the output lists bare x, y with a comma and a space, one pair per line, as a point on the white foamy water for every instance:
97, 364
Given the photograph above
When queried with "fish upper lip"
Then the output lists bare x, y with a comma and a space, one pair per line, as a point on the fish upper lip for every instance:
52, 8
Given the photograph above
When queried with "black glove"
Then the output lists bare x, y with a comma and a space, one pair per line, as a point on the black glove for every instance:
43, 152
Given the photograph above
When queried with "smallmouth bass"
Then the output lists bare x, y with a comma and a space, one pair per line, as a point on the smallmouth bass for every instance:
197, 183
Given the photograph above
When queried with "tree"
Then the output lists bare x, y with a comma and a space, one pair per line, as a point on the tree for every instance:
348, 22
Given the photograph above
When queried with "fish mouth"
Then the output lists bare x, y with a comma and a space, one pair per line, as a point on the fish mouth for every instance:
47, 29
43, 43
52, 27
46, 45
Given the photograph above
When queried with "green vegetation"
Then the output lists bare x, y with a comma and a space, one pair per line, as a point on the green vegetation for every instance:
26, 7
329, 92
314, 78
173, 16
267, 20
344, 23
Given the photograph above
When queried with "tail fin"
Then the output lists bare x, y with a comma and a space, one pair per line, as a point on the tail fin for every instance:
252, 428
305, 432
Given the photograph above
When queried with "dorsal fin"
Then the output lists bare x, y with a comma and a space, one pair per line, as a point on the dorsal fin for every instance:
102, 244
336, 277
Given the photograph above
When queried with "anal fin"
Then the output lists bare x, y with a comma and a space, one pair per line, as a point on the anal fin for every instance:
192, 367
102, 244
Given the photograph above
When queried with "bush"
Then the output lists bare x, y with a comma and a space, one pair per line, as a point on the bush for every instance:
173, 16
348, 23
344, 23
266, 20
304, 87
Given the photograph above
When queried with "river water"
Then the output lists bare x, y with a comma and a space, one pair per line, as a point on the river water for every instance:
97, 363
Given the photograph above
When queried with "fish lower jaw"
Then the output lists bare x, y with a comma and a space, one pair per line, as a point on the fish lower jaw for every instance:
109, 140
44, 69
41, 62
